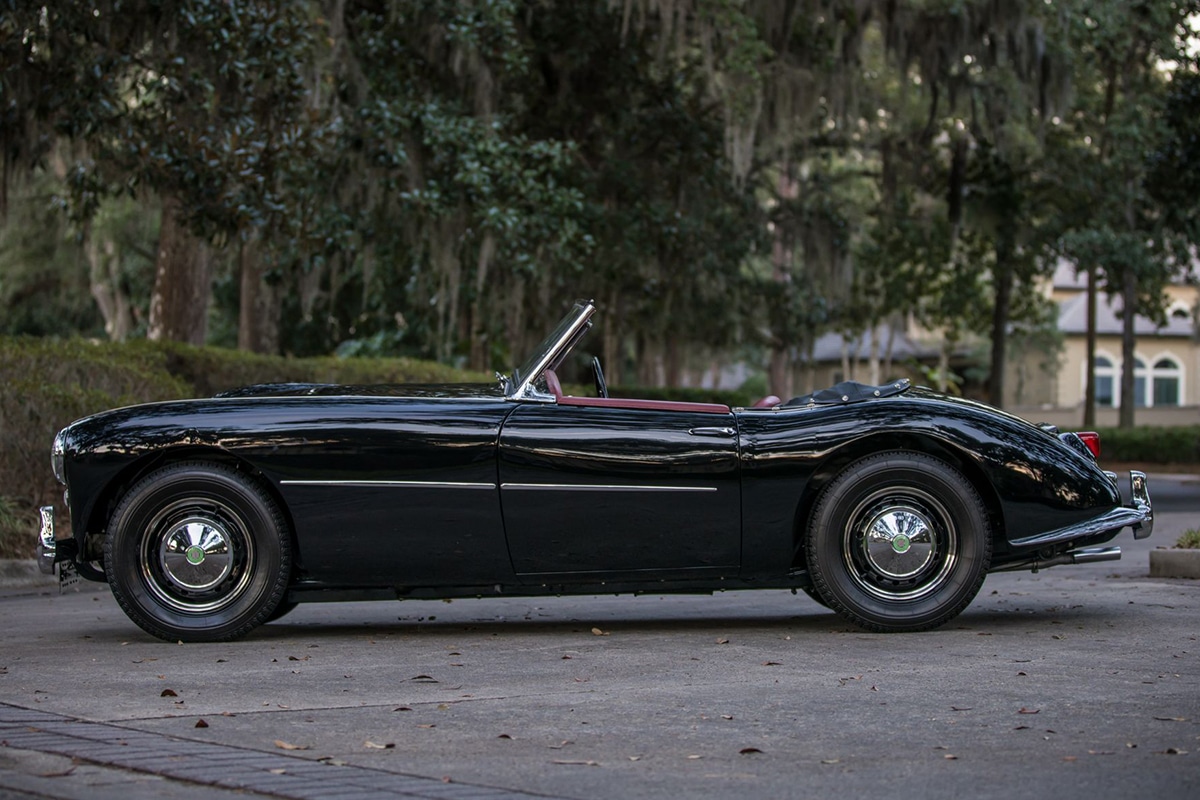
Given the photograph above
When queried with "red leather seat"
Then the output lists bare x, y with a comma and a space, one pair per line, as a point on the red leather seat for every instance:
552, 383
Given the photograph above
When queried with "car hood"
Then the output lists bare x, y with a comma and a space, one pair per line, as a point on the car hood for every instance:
428, 390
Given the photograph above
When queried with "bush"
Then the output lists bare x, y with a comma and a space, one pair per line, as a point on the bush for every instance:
1171, 445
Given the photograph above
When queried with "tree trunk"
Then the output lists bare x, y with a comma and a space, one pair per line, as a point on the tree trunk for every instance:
611, 345
1089, 387
1128, 346
873, 358
1000, 314
104, 276
480, 357
182, 282
779, 371
259, 303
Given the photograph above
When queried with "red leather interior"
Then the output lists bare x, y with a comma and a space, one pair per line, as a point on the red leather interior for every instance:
552, 383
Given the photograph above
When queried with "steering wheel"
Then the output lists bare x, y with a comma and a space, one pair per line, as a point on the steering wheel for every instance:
598, 375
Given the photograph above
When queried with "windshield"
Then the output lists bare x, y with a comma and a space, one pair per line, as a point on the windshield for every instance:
565, 334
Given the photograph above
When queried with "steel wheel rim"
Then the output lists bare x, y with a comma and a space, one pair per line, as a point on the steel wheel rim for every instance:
901, 544
197, 556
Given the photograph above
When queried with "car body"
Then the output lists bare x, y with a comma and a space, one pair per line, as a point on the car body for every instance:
888, 504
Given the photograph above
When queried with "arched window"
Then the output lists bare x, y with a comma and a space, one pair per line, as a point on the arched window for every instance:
1140, 399
1105, 374
1165, 378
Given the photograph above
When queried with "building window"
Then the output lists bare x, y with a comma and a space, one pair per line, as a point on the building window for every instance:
1140, 400
1104, 381
1165, 381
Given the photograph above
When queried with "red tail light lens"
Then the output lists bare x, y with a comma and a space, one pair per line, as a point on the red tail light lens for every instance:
1092, 440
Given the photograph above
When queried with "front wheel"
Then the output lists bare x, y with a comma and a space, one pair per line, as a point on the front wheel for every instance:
899, 542
196, 552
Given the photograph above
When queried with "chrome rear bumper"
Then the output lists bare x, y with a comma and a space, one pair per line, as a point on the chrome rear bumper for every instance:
1139, 515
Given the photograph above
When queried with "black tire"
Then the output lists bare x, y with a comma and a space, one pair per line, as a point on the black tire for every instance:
816, 596
196, 552
282, 610
899, 542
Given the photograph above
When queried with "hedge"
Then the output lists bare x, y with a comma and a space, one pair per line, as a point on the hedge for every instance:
1173, 445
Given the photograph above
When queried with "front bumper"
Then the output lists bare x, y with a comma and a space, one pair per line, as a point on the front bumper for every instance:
47, 546
1138, 515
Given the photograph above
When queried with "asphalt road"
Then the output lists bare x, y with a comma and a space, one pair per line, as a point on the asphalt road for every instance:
1077, 682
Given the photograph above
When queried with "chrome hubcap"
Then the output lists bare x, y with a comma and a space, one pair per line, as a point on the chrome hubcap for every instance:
197, 556
901, 544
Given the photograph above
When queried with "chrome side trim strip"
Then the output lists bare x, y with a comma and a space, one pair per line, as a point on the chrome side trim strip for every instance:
602, 487
395, 484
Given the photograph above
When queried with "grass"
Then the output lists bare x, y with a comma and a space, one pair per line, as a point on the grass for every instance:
1190, 540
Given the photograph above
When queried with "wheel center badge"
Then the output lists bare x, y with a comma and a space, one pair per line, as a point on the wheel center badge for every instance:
195, 555
901, 543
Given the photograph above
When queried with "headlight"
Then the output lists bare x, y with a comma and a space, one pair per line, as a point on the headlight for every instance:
56, 456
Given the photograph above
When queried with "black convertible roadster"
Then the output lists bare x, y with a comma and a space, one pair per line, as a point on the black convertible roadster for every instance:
889, 504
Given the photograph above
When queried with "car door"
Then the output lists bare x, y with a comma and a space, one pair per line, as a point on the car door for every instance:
599, 488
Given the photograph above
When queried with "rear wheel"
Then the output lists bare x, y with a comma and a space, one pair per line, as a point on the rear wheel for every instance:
197, 552
899, 542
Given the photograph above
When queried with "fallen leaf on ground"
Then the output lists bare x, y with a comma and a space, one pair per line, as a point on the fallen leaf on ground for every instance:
1029, 710
282, 745
588, 763
598, 632
169, 693
201, 723
375, 746
745, 751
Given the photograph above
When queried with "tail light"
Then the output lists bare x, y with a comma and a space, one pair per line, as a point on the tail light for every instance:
1092, 440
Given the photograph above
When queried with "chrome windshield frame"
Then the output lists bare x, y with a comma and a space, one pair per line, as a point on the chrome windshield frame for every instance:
552, 350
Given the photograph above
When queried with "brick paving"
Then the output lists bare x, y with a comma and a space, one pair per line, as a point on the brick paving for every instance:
224, 766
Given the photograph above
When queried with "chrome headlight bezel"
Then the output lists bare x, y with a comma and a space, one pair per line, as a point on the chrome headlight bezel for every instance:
58, 456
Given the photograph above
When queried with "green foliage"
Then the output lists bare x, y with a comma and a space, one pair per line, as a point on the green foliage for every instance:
1159, 445
14, 526
1189, 539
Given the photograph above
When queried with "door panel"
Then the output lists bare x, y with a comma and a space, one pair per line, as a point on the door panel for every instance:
592, 491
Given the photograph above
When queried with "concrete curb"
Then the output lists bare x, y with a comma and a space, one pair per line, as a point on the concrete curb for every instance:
20, 573
1175, 563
